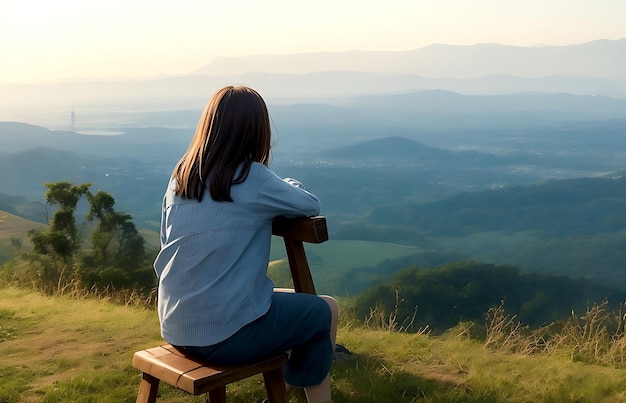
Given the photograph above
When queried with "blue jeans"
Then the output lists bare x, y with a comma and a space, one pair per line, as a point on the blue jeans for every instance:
297, 322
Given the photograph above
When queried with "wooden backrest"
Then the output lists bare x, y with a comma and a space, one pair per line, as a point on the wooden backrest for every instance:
295, 231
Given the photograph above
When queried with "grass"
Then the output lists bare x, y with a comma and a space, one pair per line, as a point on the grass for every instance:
79, 349
13, 227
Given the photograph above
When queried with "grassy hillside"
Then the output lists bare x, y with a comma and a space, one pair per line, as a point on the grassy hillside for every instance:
13, 227
62, 349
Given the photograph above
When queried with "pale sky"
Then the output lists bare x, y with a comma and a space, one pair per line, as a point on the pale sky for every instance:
46, 40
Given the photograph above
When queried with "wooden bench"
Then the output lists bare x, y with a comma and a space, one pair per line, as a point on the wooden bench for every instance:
167, 364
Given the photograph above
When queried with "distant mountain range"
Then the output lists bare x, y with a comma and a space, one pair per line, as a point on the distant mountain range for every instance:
418, 115
133, 142
594, 68
601, 59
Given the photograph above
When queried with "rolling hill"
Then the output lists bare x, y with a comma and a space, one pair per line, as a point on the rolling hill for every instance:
14, 229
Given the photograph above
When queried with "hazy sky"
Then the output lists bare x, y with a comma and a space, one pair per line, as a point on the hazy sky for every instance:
43, 40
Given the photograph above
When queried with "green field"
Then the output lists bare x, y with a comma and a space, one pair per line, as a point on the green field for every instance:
333, 259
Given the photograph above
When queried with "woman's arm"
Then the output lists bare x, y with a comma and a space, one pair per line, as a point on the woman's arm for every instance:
286, 197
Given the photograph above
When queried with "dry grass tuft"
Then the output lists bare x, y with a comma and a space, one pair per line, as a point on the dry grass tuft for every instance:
377, 319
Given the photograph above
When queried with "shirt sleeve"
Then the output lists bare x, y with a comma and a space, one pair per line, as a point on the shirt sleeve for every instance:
286, 197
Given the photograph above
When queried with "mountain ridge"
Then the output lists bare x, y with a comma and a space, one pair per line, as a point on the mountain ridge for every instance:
441, 60
593, 68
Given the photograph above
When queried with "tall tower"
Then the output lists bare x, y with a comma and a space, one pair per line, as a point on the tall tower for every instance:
72, 120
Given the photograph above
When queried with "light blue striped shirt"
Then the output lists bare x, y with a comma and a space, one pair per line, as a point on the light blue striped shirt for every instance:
212, 267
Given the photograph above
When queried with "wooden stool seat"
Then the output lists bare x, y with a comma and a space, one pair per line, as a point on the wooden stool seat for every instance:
165, 363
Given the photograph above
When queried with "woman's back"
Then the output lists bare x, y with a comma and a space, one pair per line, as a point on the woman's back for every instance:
213, 261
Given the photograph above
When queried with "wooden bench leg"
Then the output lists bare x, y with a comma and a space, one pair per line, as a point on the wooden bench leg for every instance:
148, 389
275, 386
218, 395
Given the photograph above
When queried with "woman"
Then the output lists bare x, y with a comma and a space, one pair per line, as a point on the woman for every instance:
215, 300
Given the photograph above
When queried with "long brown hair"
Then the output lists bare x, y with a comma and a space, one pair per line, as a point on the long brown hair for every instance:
233, 131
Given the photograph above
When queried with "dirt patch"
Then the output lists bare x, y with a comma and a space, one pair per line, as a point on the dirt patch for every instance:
53, 355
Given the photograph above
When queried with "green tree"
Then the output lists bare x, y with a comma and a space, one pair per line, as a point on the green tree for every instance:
61, 236
466, 290
54, 248
116, 256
